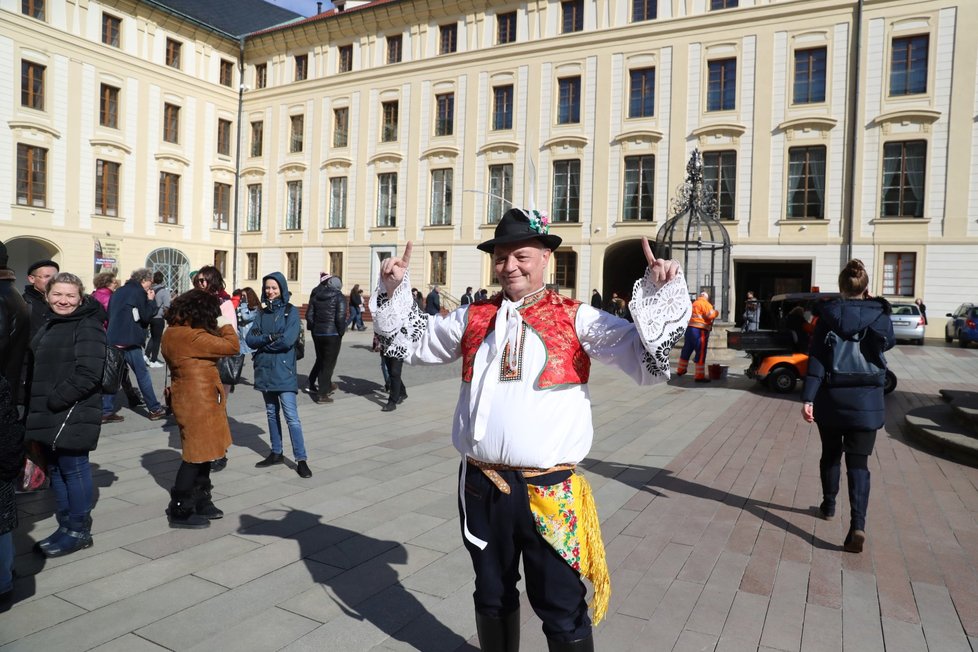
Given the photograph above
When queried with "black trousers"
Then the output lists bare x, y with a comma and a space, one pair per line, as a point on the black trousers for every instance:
190, 474
327, 352
555, 590
394, 367
155, 337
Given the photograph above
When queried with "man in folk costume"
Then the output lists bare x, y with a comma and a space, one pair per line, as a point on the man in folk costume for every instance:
523, 420
697, 337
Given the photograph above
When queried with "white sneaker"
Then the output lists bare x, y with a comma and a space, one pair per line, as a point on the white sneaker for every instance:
156, 365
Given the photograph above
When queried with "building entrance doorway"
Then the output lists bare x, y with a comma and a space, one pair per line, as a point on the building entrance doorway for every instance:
767, 279
22, 252
624, 263
175, 267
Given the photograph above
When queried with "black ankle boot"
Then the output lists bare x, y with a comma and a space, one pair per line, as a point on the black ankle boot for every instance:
581, 645
498, 634
61, 518
181, 514
74, 535
271, 460
204, 505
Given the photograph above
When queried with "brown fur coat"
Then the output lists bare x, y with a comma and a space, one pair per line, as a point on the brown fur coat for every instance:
198, 399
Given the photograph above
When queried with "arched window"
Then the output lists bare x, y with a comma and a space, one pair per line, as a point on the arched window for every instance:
175, 267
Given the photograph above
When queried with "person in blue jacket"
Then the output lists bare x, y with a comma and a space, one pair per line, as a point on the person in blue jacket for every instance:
273, 338
847, 416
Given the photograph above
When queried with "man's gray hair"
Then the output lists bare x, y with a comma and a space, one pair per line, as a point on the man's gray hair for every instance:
141, 274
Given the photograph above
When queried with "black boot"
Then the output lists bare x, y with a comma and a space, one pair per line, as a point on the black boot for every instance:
73, 536
271, 460
204, 505
62, 519
858, 502
219, 465
181, 514
498, 634
580, 645
829, 474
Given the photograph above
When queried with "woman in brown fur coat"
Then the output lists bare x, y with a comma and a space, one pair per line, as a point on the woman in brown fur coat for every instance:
196, 338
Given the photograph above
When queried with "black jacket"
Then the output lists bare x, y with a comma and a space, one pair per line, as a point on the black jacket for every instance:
858, 408
37, 303
69, 356
326, 312
15, 327
128, 303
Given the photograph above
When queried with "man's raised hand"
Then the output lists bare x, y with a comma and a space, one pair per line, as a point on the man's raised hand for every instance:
392, 270
663, 271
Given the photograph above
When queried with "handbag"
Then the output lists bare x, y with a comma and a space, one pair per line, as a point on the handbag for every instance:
32, 476
850, 366
300, 344
115, 365
229, 368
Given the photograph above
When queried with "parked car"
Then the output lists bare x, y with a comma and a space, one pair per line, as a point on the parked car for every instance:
908, 323
962, 325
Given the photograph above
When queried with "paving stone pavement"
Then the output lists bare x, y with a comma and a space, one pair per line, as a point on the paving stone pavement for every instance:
706, 495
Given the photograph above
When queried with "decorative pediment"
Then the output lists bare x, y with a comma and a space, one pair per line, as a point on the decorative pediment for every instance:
336, 164
499, 148
108, 147
222, 169
171, 160
907, 120
26, 129
566, 145
719, 132
440, 154
292, 168
386, 158
638, 137
812, 126
253, 172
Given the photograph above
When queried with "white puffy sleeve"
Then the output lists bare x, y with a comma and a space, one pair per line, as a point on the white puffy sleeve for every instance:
407, 333
640, 349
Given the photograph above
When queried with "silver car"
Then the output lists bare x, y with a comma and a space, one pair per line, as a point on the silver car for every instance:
908, 323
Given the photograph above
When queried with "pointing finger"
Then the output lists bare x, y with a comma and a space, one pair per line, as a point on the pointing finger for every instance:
406, 258
647, 250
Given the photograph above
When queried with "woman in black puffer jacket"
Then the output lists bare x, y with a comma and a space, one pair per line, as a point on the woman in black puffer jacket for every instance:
65, 409
848, 415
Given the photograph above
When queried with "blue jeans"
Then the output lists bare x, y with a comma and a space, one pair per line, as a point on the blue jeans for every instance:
287, 402
71, 480
356, 317
6, 562
134, 358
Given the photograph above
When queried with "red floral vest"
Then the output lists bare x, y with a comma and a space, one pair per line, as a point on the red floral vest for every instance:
552, 318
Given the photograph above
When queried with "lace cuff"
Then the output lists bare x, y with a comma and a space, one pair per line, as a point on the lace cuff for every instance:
398, 322
661, 314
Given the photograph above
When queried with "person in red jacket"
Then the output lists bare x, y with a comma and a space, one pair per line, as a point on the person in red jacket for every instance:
697, 336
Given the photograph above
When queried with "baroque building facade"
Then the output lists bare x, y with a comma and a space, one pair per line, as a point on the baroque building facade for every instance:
326, 143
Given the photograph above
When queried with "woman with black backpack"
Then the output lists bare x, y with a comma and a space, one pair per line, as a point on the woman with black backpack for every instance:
843, 391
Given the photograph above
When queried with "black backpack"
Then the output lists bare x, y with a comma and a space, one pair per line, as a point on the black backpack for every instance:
850, 365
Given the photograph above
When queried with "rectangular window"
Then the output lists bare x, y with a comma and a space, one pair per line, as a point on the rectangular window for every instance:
394, 48
110, 29
346, 58
341, 127
227, 72
502, 107
261, 76
32, 85
565, 269
257, 137
291, 265
569, 100
500, 191
254, 208
899, 270
336, 263
221, 261
439, 267
722, 92
173, 53
903, 178
33, 8
387, 199
108, 109
809, 76
445, 118
908, 65
806, 182
567, 191
32, 174
295, 139
641, 95
639, 188
441, 197
720, 179
506, 28
301, 66
222, 206
723, 4
107, 188
572, 16
448, 38
388, 132
644, 10
337, 202
252, 274
223, 137
293, 208
169, 198
171, 123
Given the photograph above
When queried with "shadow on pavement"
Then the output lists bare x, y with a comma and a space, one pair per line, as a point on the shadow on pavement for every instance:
661, 482
162, 464
358, 574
